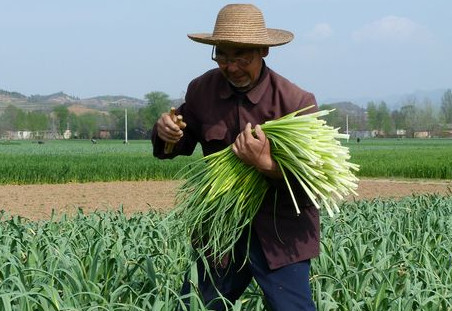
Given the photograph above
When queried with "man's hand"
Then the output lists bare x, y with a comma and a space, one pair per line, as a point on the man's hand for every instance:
255, 150
168, 130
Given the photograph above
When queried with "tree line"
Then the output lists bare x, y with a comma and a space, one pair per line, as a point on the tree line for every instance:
91, 124
412, 117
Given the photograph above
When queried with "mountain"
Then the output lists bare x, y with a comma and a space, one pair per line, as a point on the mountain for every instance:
351, 106
346, 108
106, 102
344, 111
48, 102
7, 98
58, 98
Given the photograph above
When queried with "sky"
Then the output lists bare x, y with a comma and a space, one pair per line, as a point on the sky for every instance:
343, 49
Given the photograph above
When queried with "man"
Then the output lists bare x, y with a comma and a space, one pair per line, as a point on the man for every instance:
221, 108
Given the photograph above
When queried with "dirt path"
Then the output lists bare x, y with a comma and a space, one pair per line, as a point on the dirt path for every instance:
37, 201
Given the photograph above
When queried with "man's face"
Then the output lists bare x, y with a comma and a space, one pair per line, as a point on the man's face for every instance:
241, 66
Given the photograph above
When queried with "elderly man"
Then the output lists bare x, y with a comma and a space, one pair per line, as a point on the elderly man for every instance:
221, 108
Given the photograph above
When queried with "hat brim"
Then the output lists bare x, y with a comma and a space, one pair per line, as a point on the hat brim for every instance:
276, 37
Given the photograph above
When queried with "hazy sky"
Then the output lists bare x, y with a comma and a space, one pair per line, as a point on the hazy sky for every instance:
342, 49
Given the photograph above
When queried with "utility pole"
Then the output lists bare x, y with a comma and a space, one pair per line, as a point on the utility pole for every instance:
346, 126
125, 126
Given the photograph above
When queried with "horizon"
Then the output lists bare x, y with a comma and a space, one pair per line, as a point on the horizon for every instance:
394, 101
342, 50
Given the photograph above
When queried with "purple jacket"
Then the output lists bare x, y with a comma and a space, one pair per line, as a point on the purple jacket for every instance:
215, 115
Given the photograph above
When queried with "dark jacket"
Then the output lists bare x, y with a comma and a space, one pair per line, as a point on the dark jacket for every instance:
215, 115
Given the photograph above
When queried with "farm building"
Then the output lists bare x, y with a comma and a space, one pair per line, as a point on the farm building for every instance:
24, 135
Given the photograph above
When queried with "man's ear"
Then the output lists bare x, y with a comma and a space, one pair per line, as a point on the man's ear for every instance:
264, 51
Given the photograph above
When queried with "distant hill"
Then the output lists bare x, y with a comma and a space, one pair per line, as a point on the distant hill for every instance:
107, 102
345, 108
348, 108
11, 95
59, 98
395, 101
13, 98
48, 102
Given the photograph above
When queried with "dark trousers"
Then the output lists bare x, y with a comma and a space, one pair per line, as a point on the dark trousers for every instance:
285, 289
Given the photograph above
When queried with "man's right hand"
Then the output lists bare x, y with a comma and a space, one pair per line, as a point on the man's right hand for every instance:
168, 130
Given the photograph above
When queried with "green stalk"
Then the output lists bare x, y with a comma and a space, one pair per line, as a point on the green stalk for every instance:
221, 195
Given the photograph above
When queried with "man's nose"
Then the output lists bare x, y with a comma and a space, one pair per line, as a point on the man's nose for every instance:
232, 65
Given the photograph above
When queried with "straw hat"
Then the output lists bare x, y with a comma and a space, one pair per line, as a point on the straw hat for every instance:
242, 25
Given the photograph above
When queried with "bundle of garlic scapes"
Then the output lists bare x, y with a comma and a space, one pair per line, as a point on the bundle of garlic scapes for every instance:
221, 195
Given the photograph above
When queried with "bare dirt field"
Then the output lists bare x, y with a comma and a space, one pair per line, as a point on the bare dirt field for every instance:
36, 202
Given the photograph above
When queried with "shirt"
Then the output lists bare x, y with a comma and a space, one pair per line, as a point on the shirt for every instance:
215, 114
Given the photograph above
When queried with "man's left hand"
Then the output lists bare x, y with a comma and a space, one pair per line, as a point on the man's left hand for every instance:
254, 149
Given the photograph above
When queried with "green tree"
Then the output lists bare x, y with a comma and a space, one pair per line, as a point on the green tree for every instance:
158, 102
385, 120
117, 121
87, 126
379, 118
61, 113
408, 113
37, 121
398, 120
446, 106
372, 116
135, 125
13, 119
425, 120
73, 124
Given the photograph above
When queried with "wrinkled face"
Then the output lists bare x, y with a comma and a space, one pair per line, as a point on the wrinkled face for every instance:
241, 66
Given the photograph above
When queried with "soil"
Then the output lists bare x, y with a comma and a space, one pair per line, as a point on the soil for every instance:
37, 202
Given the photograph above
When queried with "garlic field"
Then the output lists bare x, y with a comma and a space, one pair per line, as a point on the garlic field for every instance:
380, 254
376, 255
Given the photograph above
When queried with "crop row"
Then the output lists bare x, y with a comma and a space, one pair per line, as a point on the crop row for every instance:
81, 161
406, 158
26, 162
